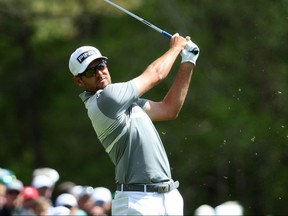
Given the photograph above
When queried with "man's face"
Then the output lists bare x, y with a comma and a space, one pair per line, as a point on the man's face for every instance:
99, 80
45, 192
13, 198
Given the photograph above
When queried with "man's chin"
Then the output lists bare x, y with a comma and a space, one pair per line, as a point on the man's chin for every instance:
102, 85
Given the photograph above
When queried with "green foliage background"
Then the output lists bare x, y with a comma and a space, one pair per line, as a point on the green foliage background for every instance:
230, 141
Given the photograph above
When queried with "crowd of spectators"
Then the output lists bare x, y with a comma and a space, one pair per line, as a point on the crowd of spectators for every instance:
38, 198
228, 208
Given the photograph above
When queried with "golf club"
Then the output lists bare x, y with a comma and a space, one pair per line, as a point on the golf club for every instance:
166, 34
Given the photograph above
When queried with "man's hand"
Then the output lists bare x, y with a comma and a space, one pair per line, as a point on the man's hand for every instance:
190, 53
178, 42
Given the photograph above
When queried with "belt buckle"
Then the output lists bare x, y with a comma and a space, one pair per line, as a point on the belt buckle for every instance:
163, 188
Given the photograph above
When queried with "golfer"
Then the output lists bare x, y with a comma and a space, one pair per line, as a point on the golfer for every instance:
122, 121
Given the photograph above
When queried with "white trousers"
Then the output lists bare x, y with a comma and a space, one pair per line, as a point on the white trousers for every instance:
146, 203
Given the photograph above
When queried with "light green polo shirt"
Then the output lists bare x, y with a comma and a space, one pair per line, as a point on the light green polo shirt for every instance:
127, 133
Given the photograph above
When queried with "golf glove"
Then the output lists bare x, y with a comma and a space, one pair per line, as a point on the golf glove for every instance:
190, 53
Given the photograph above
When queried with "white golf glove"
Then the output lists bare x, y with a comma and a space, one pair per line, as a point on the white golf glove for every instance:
190, 53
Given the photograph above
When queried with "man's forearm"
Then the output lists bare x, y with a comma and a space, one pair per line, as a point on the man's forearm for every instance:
172, 103
177, 93
160, 68
163, 64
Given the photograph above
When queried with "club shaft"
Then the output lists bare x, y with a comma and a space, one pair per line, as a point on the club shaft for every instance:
166, 34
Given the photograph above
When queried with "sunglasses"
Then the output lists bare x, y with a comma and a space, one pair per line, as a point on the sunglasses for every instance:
91, 71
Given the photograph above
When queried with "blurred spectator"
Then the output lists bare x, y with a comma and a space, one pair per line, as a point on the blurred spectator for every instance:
69, 201
36, 199
49, 172
61, 210
41, 207
204, 210
65, 187
97, 211
229, 208
29, 192
77, 190
102, 197
13, 198
44, 185
84, 198
6, 176
2, 195
29, 195
44, 180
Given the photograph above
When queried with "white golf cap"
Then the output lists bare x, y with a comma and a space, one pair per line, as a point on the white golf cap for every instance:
42, 181
51, 173
229, 208
16, 185
101, 194
61, 210
66, 199
204, 210
82, 57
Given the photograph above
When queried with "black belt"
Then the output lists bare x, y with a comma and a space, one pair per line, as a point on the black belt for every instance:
159, 188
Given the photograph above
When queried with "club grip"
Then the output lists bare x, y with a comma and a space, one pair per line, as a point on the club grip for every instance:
166, 34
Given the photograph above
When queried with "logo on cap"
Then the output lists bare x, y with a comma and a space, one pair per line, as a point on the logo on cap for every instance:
85, 55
